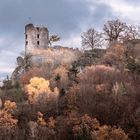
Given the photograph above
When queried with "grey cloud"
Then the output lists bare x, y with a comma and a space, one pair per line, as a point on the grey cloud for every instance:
101, 14
63, 17
60, 16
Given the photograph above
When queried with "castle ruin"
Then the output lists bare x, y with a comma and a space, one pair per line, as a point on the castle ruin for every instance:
35, 38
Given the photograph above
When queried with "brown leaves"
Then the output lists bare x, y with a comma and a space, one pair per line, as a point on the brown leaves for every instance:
100, 88
40, 119
91, 129
25, 78
6, 119
51, 123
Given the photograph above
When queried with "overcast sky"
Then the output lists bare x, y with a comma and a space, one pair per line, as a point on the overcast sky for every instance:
68, 18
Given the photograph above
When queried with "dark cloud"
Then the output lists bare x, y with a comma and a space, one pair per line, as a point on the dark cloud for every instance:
100, 15
64, 17
60, 16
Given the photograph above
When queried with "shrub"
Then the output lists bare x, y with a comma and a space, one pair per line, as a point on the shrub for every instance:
39, 88
25, 77
39, 132
101, 92
87, 128
8, 125
40, 96
60, 78
115, 56
15, 94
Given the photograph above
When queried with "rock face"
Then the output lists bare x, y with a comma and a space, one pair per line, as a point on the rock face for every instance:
36, 37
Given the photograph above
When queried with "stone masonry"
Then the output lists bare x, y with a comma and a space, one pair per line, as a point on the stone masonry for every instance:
35, 38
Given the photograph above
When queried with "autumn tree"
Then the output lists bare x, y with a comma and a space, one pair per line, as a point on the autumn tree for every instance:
87, 128
8, 124
91, 39
114, 30
35, 71
115, 55
53, 38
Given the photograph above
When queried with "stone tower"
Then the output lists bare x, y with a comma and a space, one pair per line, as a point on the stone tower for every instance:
35, 38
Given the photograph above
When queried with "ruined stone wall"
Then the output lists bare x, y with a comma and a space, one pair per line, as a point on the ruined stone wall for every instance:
36, 37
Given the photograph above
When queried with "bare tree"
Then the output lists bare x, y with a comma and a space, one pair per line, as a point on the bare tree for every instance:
91, 39
53, 38
132, 33
114, 30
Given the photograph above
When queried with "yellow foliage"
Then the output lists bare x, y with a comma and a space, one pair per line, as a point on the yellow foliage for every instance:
40, 88
8, 105
38, 85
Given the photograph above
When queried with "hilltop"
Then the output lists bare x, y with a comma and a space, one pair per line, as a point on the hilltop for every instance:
60, 93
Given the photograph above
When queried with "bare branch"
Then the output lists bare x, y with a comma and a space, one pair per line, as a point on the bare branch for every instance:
91, 39
114, 30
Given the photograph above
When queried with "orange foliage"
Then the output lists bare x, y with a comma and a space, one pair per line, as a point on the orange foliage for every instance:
25, 78
90, 128
119, 50
40, 119
72, 97
6, 119
100, 88
115, 55
63, 81
8, 105
94, 94
99, 74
